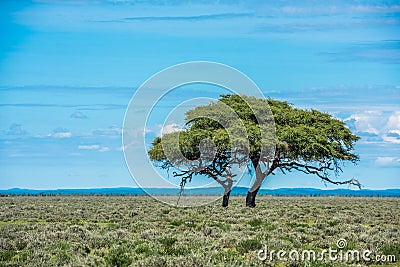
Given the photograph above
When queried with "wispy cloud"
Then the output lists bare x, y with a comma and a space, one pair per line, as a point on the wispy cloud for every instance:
104, 149
387, 161
236, 17
61, 133
94, 147
78, 115
16, 130
80, 107
385, 51
391, 138
380, 8
89, 147
327, 8
112, 131
191, 18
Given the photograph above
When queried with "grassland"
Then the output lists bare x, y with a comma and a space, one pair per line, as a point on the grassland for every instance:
140, 231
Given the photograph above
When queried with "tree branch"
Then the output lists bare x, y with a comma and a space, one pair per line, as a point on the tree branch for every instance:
321, 172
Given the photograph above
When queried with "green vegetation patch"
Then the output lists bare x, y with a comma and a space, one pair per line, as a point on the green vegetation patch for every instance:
247, 245
119, 256
106, 233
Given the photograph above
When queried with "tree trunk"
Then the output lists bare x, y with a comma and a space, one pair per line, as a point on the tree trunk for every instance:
252, 193
260, 176
225, 199
227, 193
251, 198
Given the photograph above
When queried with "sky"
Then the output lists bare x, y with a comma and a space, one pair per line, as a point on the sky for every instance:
68, 70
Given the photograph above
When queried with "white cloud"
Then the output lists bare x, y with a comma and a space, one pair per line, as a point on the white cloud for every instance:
135, 133
62, 135
368, 121
112, 131
391, 139
104, 149
171, 128
89, 147
94, 148
27, 155
376, 125
376, 8
393, 124
130, 145
387, 161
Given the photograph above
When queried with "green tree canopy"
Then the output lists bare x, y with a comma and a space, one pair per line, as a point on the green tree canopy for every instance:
264, 134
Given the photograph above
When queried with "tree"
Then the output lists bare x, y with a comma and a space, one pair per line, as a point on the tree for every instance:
213, 141
237, 130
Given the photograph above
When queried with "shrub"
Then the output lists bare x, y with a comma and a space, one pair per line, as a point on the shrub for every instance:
21, 244
6, 255
255, 222
391, 249
220, 225
245, 246
332, 223
176, 222
118, 256
142, 249
167, 241
165, 211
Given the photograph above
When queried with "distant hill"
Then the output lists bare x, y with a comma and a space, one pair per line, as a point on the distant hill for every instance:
202, 191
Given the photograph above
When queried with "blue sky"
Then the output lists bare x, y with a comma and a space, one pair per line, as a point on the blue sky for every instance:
69, 68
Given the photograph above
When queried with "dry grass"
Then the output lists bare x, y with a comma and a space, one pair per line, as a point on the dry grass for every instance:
139, 231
